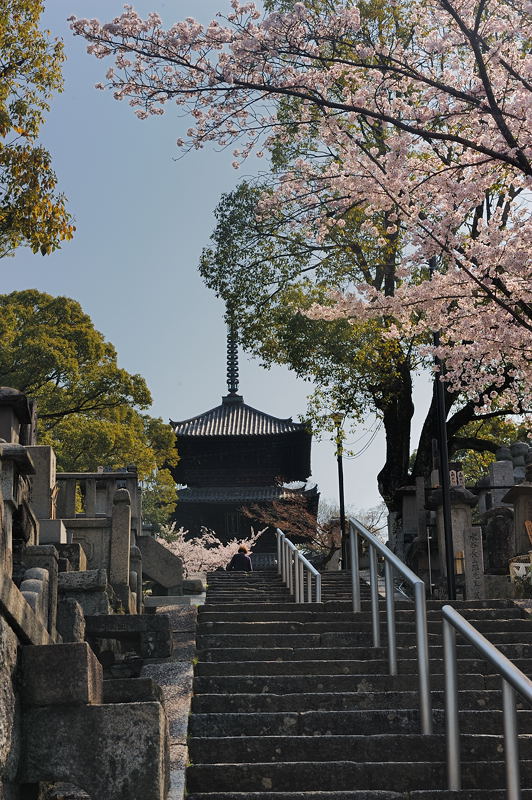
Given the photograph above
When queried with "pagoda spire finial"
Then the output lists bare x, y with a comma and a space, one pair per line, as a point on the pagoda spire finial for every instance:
232, 357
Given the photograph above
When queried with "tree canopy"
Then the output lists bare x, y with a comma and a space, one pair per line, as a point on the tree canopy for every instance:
32, 211
89, 409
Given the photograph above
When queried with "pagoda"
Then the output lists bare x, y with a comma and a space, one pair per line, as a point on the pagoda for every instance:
234, 456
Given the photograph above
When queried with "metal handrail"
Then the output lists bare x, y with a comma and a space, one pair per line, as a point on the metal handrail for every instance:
293, 566
392, 564
513, 680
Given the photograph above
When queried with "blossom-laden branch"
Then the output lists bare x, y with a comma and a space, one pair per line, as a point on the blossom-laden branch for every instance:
431, 129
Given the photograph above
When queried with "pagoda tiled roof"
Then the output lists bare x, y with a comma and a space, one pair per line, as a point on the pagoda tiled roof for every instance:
234, 418
242, 494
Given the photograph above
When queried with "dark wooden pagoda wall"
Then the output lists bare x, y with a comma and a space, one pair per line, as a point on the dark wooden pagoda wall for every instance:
243, 460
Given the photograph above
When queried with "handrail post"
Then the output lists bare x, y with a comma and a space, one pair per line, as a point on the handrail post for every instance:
511, 742
309, 588
390, 618
422, 638
318, 588
296, 578
355, 577
451, 708
374, 587
290, 570
302, 582
279, 552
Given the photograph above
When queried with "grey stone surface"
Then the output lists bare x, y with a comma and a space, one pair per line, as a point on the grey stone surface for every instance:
131, 690
501, 475
194, 584
159, 564
19, 615
175, 678
521, 498
500, 538
70, 620
92, 580
120, 539
63, 791
474, 564
149, 634
94, 535
43, 482
61, 674
9, 713
52, 531
75, 554
113, 752
498, 586
89, 588
46, 557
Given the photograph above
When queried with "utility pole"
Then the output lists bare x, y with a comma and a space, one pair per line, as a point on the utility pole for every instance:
338, 419
443, 452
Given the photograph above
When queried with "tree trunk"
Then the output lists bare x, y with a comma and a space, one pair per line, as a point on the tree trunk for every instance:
397, 411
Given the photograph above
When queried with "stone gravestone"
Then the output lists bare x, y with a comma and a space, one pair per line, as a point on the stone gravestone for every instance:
501, 478
500, 539
521, 498
474, 564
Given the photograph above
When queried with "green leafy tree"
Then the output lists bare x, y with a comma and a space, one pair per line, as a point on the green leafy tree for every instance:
32, 211
89, 409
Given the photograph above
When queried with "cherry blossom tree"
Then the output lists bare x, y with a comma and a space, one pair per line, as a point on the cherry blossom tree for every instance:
203, 553
428, 125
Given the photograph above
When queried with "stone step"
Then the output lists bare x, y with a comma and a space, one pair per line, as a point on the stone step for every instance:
332, 639
360, 722
315, 613
344, 775
362, 794
292, 684
251, 749
344, 605
361, 667
354, 627
247, 596
331, 700
464, 651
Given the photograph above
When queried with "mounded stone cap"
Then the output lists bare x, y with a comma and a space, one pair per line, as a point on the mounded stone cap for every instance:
519, 449
497, 511
17, 401
122, 496
503, 454
459, 496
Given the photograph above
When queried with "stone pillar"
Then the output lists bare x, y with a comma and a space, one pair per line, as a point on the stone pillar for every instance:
46, 557
136, 568
90, 497
501, 475
42, 499
66, 500
520, 496
474, 564
119, 565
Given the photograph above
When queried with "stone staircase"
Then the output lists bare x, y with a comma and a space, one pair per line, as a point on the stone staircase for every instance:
291, 702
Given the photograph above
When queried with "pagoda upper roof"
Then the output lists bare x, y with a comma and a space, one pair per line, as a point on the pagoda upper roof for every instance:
243, 494
234, 418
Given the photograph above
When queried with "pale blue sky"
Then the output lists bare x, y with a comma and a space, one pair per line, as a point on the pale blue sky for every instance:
142, 218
